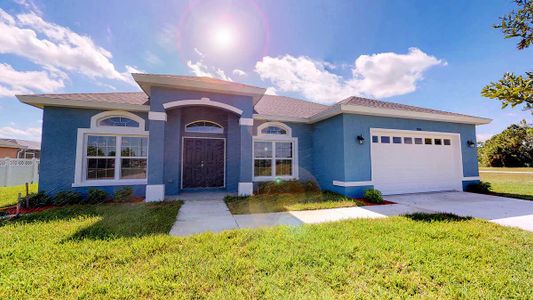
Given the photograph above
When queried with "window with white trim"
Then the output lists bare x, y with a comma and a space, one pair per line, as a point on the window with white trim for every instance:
114, 157
113, 151
273, 158
274, 153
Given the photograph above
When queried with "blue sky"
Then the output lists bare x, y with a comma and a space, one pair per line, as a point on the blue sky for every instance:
436, 54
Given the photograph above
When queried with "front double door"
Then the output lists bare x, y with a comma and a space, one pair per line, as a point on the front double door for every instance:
203, 162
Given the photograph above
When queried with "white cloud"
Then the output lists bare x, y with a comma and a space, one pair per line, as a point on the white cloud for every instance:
167, 37
29, 5
32, 133
20, 82
238, 72
199, 68
54, 46
378, 75
198, 52
152, 59
271, 91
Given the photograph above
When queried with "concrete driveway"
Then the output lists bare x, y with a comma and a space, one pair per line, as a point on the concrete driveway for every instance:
501, 210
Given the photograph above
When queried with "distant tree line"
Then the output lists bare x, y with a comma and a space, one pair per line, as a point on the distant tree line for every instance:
513, 147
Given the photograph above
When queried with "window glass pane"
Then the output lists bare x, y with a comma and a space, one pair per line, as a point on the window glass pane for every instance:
134, 146
374, 139
418, 141
133, 168
101, 145
119, 121
438, 142
204, 127
100, 168
273, 130
263, 167
263, 149
283, 167
447, 142
397, 140
427, 141
407, 140
385, 139
284, 149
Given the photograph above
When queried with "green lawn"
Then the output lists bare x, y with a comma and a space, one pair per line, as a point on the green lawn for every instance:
8, 195
263, 203
510, 185
122, 251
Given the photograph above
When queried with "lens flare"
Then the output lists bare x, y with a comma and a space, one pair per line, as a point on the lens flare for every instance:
224, 37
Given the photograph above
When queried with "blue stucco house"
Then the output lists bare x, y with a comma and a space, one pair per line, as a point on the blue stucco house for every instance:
193, 133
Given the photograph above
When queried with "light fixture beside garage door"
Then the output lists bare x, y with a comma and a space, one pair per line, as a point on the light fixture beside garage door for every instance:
360, 139
470, 144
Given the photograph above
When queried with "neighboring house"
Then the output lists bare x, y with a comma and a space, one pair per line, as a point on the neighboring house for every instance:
194, 133
13, 148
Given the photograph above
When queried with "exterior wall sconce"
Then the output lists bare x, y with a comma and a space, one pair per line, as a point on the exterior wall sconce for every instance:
470, 144
360, 139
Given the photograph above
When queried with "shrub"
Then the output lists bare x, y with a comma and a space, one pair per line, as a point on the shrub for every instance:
96, 196
280, 186
311, 186
124, 194
482, 187
334, 196
67, 197
37, 200
373, 196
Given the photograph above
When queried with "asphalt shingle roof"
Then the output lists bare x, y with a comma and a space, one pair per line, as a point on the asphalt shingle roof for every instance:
287, 107
139, 98
392, 105
271, 105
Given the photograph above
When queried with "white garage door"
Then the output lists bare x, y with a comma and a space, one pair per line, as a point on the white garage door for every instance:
415, 161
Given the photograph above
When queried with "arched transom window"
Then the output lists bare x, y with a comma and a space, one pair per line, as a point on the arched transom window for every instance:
273, 129
204, 127
118, 121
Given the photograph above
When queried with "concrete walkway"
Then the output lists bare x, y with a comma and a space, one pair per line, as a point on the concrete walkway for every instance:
205, 212
202, 212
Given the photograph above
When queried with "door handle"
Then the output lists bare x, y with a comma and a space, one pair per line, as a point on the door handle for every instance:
202, 164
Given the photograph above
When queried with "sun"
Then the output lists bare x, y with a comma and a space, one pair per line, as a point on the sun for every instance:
224, 37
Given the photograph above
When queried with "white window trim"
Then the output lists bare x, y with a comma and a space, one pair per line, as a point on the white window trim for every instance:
80, 164
116, 113
276, 124
276, 138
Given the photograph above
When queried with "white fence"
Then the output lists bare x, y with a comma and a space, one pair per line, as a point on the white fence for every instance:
15, 171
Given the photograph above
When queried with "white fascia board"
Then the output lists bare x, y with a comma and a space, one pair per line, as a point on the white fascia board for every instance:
373, 111
41, 102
